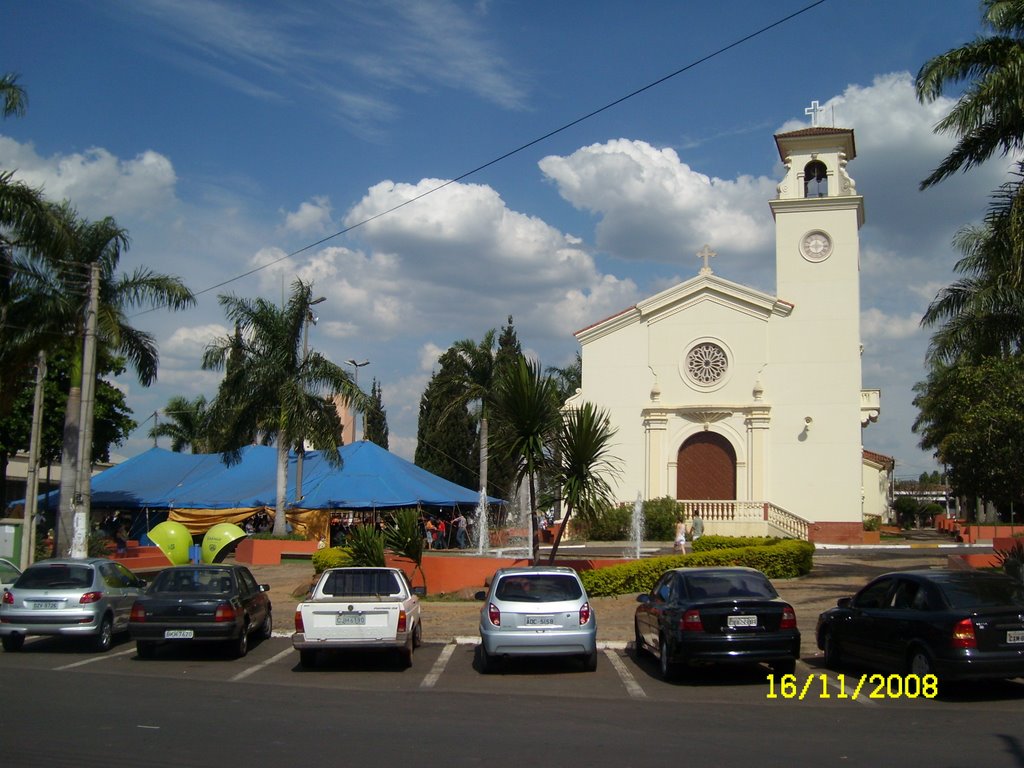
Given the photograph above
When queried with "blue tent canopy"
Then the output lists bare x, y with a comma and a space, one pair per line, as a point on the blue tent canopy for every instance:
369, 478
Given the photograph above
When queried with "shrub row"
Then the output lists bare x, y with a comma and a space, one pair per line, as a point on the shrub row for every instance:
708, 543
784, 559
330, 557
615, 523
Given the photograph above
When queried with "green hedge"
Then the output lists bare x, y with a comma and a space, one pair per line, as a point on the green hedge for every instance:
708, 543
784, 559
331, 557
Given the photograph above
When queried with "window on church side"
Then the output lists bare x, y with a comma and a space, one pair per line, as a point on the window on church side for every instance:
815, 179
706, 363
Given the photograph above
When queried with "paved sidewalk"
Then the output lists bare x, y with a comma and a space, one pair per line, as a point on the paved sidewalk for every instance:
836, 573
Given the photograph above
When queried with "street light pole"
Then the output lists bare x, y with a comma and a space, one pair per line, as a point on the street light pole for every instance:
310, 320
357, 366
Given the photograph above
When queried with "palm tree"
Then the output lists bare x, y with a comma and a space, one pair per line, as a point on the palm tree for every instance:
568, 379
271, 390
473, 384
101, 243
989, 115
527, 403
187, 425
13, 96
982, 313
584, 464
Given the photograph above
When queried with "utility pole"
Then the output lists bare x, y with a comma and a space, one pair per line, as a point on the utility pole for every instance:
357, 366
28, 534
83, 494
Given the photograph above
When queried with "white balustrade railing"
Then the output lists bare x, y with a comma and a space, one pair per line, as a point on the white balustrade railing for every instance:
746, 518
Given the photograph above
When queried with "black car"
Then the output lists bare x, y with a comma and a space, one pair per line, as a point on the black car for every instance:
957, 625
716, 615
201, 603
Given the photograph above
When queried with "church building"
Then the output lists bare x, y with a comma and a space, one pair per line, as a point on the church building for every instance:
746, 405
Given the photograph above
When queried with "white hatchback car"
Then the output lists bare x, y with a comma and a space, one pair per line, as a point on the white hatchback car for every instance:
537, 611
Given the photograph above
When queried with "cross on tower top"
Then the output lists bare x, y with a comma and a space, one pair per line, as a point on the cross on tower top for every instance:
813, 111
706, 253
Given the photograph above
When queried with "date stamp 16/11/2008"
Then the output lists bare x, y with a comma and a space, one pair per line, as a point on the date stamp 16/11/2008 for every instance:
824, 686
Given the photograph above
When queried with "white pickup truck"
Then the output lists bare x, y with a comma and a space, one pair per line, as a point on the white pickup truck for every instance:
358, 608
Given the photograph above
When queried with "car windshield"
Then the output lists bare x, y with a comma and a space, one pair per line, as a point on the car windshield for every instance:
983, 593
56, 576
539, 588
722, 584
216, 581
353, 583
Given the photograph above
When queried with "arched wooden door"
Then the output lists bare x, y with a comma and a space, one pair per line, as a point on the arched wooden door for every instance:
706, 468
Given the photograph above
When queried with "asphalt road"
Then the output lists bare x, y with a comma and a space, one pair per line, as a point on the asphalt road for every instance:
64, 706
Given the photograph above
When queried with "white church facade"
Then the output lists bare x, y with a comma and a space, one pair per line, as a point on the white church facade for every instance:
747, 405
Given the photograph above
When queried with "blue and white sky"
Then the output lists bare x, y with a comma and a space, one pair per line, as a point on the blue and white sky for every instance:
225, 135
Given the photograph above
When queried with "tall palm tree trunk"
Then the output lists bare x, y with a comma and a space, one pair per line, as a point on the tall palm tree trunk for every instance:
69, 468
282, 486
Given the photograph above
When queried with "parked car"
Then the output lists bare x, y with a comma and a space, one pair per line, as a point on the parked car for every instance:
713, 616
536, 611
8, 573
957, 625
201, 603
88, 597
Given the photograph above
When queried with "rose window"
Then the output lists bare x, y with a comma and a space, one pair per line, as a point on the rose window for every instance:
706, 363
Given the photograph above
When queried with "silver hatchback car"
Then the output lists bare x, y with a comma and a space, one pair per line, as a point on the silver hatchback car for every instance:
536, 611
91, 597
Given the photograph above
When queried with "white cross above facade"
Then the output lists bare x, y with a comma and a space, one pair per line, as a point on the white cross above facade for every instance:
813, 111
706, 253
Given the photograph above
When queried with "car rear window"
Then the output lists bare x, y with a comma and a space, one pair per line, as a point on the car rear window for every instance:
983, 593
353, 583
729, 585
217, 581
538, 588
56, 577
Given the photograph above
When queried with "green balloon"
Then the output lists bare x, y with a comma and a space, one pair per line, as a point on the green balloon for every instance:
219, 537
173, 539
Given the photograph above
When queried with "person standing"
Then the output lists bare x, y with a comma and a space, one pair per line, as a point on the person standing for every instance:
459, 524
679, 545
697, 526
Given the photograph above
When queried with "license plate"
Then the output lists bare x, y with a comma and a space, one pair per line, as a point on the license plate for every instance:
350, 620
1015, 637
533, 621
741, 621
178, 634
49, 605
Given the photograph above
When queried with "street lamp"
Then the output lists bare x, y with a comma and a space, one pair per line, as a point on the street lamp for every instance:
357, 366
310, 320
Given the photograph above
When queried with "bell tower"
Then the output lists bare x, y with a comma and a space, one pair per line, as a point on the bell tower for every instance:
814, 378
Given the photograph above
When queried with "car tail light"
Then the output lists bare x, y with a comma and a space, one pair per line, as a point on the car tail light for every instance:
788, 618
493, 614
691, 621
402, 621
90, 597
299, 626
225, 612
963, 634
584, 613
8, 598
138, 612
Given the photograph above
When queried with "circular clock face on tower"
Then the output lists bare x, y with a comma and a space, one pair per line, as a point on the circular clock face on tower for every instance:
816, 245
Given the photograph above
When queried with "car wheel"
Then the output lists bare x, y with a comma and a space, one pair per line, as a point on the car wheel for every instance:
920, 663
307, 659
145, 649
13, 642
105, 638
405, 654
417, 635
487, 663
638, 640
668, 668
590, 662
786, 667
833, 657
240, 646
267, 628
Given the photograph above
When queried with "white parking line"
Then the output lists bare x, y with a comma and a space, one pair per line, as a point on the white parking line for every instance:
442, 661
93, 660
257, 667
632, 686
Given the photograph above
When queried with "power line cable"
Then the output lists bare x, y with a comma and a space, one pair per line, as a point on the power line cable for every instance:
510, 153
